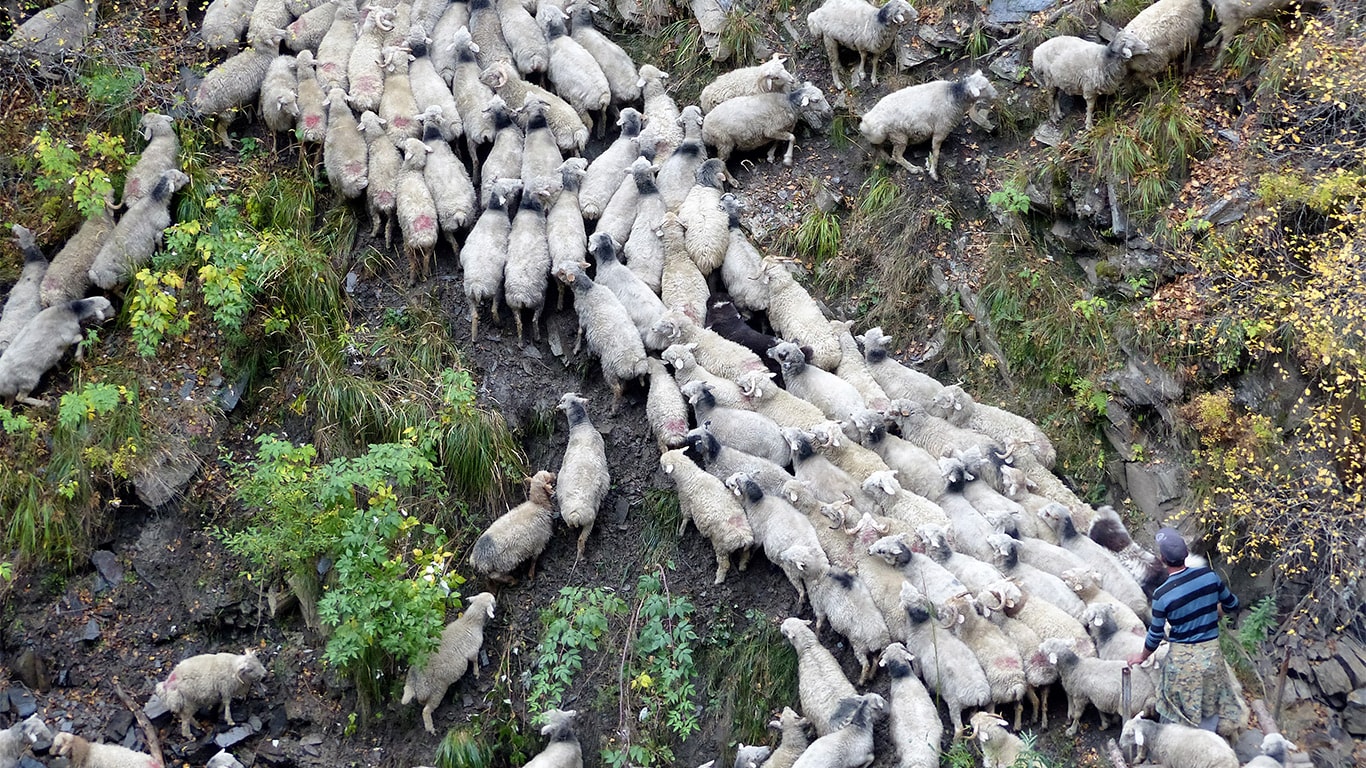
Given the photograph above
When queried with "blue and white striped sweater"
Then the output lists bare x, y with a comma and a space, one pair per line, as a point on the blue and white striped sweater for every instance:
1188, 600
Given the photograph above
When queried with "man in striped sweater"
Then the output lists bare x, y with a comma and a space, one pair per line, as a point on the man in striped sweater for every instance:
1196, 687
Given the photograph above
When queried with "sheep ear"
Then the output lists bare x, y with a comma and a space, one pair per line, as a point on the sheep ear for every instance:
1138, 736
961, 619
490, 610
1052, 658
806, 100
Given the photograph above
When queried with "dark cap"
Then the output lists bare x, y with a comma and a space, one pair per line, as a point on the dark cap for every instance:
1171, 547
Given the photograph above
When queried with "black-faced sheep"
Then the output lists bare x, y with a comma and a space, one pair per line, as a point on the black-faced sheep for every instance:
43, 341
751, 122
25, 298
857, 24
926, 111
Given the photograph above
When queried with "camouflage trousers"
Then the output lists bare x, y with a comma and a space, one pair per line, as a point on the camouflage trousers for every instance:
1195, 684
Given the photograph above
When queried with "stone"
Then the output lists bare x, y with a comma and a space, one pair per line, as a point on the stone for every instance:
1143, 382
1156, 487
1354, 714
22, 702
166, 473
119, 725
1350, 655
1009, 66
1332, 678
278, 752
108, 572
31, 670
234, 735
28, 761
155, 708
91, 633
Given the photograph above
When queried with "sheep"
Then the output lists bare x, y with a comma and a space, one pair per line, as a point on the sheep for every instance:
224, 22
706, 224
397, 105
1051, 486
237, 81
365, 66
1077, 67
504, 160
1275, 752
86, 754
793, 741
565, 231
519, 535
1040, 674
1111, 641
636, 296
440, 47
160, 154
724, 319
209, 679
665, 409
770, 76
381, 176
644, 248
926, 111
311, 123
936, 436
1085, 584
738, 428
857, 24
571, 132
605, 172
1108, 531
1114, 578
897, 503
678, 172
486, 30
957, 407
603, 321
345, 154
307, 31
471, 94
68, 275
484, 257
682, 286
457, 652
541, 157
915, 726
947, 664
850, 742
619, 215
795, 315
334, 52
25, 296
1005, 555
268, 15
821, 683
661, 113
777, 525
584, 479
928, 576
896, 380
136, 237
997, 654
1096, 682
917, 470
525, 38
1169, 29
42, 341
837, 398
840, 597
1172, 745
829, 482
1000, 748
1233, 14
17, 739
742, 267
717, 514
527, 272
933, 540
751, 122
765, 397
713, 352
572, 70
446, 177
617, 66
1016, 486
415, 209
564, 750
280, 95
680, 357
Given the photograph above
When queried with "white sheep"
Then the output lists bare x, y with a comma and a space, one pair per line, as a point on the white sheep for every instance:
43, 341
520, 534
682, 286
607, 327
525, 38
644, 246
446, 177
916, 730
829, 481
1085, 584
936, 436
1016, 486
307, 30
707, 226
897, 380
209, 680
946, 663
1172, 745
268, 15
415, 209
1170, 29
383, 165
430, 93
334, 52
19, 738
1005, 555
739, 428
86, 754
136, 237
926, 111
770, 76
564, 226
161, 154
661, 128
1114, 578
916, 469
1000, 747
1233, 14
572, 70
454, 17
471, 94
571, 131
584, 477
68, 275
956, 406
397, 104
504, 160
1096, 682
976, 575
457, 652
850, 743
821, 683
678, 171
1040, 673
223, 759
486, 29
931, 578
345, 156
778, 526
795, 315
686, 368
365, 66
842, 599
998, 655
1275, 752
541, 156
788, 410
636, 296
616, 63
751, 122
527, 272
837, 398
484, 257
311, 124
1071, 65
619, 215
1111, 641
899, 504
717, 354
25, 296
718, 515
237, 81
224, 22
857, 24
792, 742
604, 173
742, 267
564, 750
665, 409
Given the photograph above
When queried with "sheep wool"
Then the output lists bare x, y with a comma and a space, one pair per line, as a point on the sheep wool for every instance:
926, 111
635, 295
608, 329
767, 77
504, 160
661, 112
1172, 745
795, 315
682, 286
742, 268
1071, 65
450, 184
209, 679
584, 479
307, 31
334, 52
604, 174
485, 255
486, 28
793, 742
916, 730
365, 66
706, 224
524, 37
224, 22
1000, 747
161, 154
738, 428
469, 91
311, 124
136, 237
564, 227
541, 156
528, 267
897, 380
415, 209
223, 759
665, 410
86, 754
718, 515
25, 298
751, 122
280, 94
570, 129
345, 157
43, 341
237, 81
457, 652
564, 750
519, 535
433, 96
948, 665
850, 745
837, 398
397, 105
678, 171
382, 172
19, 738
1233, 14
857, 24
616, 64
1169, 28
644, 249
841, 598
821, 683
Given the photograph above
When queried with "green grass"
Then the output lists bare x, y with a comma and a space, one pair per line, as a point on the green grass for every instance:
659, 529
751, 673
1252, 46
463, 748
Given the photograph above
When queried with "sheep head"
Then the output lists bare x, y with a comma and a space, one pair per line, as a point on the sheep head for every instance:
248, 668
483, 602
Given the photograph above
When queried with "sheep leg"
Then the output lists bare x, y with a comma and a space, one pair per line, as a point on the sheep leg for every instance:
185, 726
899, 155
517, 316
683, 526
583, 538
33, 401
427, 719
856, 76
1074, 711
536, 324
1043, 707
933, 162
1090, 109
1019, 711
722, 566
473, 663
559, 301
832, 50
875, 61
744, 558
227, 710
791, 139
865, 669
474, 321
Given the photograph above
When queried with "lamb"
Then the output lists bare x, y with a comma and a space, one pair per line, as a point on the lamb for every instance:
484, 257
1172, 745
280, 95
486, 29
957, 407
768, 77
1114, 578
334, 52
678, 172
541, 157
738, 428
1275, 752
524, 37
25, 297
724, 319
17, 739
926, 111
718, 515
661, 113
584, 479
470, 92
665, 409
1085, 584
896, 380
446, 177
160, 155
224, 22
850, 743
1108, 531
1169, 28
821, 683
42, 342
237, 81
644, 248
565, 232
719, 355
793, 741
365, 67
706, 224
604, 321
527, 272
858, 25
457, 652
85, 754
1096, 682
605, 172
307, 31
616, 64
950, 669
1233, 14
397, 105
837, 398
564, 750
915, 727
682, 286
572, 70
1111, 642
777, 526
1006, 557
136, 237
520, 534
571, 132
209, 679
1000, 748
845, 601
795, 315
381, 176
311, 124
750, 122
415, 209
345, 156
636, 296
1071, 65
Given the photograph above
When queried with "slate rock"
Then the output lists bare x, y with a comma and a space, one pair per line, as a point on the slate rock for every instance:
30, 669
1332, 678
278, 752
1354, 715
234, 735
108, 571
29, 761
22, 702
119, 725
91, 633
155, 708
166, 474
